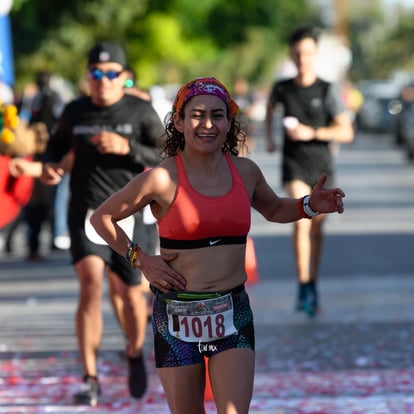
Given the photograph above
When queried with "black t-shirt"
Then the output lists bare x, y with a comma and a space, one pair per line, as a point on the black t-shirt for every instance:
96, 176
316, 106
46, 106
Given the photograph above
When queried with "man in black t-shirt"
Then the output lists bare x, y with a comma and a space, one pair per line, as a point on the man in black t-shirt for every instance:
109, 137
314, 117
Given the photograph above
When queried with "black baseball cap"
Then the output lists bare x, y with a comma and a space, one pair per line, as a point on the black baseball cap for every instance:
107, 52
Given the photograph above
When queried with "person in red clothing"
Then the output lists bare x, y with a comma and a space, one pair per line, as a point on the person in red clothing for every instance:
201, 195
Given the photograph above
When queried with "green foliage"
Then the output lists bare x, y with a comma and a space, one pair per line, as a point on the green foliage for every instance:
173, 41
396, 46
381, 41
166, 42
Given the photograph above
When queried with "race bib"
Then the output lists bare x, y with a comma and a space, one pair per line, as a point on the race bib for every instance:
202, 320
127, 225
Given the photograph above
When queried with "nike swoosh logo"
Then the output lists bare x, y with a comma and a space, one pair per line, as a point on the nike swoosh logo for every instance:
213, 242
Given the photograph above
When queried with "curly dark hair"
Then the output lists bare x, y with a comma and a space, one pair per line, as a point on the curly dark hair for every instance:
174, 140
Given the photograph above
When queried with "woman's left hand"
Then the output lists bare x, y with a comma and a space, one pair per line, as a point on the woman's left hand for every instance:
326, 200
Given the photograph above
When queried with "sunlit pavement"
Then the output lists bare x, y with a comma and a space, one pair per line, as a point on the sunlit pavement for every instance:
36, 382
355, 357
43, 384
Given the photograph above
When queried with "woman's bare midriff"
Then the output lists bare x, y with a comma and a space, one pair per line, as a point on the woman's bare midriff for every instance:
218, 268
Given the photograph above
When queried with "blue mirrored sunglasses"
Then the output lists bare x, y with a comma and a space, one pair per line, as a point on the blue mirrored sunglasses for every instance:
98, 74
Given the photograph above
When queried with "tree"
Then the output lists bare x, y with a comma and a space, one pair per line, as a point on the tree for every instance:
165, 41
395, 49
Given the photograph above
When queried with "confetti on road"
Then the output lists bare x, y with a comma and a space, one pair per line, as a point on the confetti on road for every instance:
38, 383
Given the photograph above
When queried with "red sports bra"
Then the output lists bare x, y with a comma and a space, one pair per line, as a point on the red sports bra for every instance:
194, 220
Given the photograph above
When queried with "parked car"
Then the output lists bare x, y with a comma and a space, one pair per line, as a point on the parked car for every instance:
379, 109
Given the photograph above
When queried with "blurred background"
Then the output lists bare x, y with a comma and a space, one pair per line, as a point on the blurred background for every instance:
356, 357
367, 47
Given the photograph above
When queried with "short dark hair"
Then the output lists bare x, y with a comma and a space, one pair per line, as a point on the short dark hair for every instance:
307, 32
132, 78
42, 78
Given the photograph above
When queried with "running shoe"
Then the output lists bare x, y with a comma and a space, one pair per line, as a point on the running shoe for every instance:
308, 299
302, 293
89, 393
137, 379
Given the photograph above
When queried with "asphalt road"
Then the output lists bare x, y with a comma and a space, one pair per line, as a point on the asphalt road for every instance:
355, 356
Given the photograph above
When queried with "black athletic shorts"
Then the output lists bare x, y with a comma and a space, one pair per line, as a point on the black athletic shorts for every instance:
81, 246
307, 163
170, 351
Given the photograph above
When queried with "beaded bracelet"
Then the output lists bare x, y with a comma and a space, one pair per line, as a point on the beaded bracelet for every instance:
132, 253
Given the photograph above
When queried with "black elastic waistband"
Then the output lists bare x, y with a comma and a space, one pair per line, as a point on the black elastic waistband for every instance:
190, 296
196, 244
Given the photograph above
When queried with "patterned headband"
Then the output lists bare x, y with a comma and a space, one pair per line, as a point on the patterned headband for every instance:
204, 86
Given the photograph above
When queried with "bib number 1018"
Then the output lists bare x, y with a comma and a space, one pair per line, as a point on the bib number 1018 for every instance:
205, 321
211, 326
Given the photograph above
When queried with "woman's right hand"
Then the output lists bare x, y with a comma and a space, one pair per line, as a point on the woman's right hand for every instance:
158, 272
